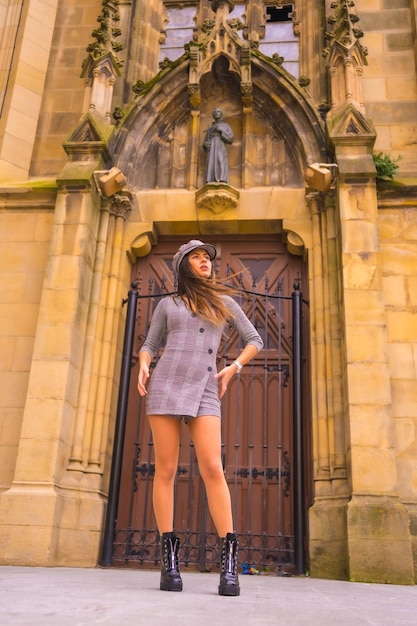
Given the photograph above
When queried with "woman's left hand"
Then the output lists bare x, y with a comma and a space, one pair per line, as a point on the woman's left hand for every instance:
223, 377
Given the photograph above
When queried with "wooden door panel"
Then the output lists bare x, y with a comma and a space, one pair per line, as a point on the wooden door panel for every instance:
256, 422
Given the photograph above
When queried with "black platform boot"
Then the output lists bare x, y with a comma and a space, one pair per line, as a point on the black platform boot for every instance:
170, 572
229, 583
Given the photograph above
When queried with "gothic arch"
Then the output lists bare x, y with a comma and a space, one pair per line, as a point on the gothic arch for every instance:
163, 130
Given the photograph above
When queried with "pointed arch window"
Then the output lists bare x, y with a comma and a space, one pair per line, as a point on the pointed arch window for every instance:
180, 22
179, 25
280, 37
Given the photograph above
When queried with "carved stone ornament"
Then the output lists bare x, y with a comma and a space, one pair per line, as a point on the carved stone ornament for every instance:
217, 198
121, 204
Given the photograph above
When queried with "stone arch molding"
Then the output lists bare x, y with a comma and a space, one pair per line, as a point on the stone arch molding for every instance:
158, 144
142, 236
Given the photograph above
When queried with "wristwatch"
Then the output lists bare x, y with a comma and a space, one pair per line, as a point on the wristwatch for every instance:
238, 366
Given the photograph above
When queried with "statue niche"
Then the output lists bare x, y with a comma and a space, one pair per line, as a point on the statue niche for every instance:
218, 135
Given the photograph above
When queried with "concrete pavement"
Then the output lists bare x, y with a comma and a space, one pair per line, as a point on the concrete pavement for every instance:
83, 597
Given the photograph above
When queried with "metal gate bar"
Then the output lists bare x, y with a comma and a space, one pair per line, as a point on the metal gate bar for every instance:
142, 545
116, 467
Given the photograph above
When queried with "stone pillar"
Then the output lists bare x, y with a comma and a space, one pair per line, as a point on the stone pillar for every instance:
53, 513
379, 545
327, 516
23, 65
33, 512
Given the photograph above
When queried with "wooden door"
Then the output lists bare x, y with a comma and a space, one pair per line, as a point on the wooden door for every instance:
256, 422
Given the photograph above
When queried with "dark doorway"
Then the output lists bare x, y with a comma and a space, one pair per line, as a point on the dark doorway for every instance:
257, 419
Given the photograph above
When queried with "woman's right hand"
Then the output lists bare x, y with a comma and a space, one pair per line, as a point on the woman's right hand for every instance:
143, 378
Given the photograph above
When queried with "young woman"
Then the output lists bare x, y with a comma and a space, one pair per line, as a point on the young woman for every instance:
185, 386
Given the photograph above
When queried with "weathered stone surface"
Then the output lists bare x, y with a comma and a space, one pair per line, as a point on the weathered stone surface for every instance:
66, 263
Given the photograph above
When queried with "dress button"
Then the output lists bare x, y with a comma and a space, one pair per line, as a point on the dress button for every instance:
201, 330
193, 315
210, 369
210, 351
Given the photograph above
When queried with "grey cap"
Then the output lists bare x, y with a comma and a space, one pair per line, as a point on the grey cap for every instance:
186, 248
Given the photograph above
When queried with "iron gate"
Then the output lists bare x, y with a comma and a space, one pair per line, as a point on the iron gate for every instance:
263, 450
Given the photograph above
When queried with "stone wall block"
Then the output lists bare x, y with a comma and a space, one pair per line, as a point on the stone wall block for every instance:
45, 424
402, 361
360, 235
36, 456
373, 470
369, 426
48, 379
401, 88
12, 287
411, 285
327, 533
357, 203
407, 475
55, 341
25, 545
21, 509
61, 304
378, 538
366, 309
7, 352
412, 509
410, 215
375, 88
14, 386
390, 66
17, 226
405, 436
10, 426
16, 257
366, 343
401, 326
7, 463
77, 548
404, 397
62, 271
395, 291
400, 260
18, 320
390, 225
368, 383
359, 273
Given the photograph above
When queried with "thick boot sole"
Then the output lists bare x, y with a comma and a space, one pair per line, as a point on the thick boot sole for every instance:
229, 590
170, 586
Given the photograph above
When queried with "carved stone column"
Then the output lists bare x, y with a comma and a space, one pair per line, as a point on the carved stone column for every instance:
377, 522
327, 516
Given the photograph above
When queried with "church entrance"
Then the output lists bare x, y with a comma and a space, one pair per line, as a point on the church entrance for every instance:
259, 443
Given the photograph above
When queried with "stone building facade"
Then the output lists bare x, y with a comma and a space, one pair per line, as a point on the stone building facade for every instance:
90, 86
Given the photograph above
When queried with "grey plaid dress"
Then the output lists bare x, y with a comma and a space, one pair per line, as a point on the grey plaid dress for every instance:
183, 382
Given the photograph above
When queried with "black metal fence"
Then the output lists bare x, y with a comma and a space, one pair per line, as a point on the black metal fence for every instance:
266, 475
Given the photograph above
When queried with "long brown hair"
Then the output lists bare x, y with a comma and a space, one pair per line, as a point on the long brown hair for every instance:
203, 296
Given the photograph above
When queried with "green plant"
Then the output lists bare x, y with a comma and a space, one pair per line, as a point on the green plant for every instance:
385, 166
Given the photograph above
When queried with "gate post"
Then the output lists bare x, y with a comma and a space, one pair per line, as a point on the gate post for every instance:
119, 433
299, 514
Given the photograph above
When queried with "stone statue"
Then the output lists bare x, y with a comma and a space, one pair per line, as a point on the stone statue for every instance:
217, 136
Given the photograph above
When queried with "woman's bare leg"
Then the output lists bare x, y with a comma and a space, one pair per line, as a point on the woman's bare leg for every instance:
166, 439
206, 435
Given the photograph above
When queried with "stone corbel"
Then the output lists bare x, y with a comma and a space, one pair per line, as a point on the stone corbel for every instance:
142, 244
193, 84
217, 198
246, 85
121, 204
295, 244
195, 95
246, 90
217, 208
